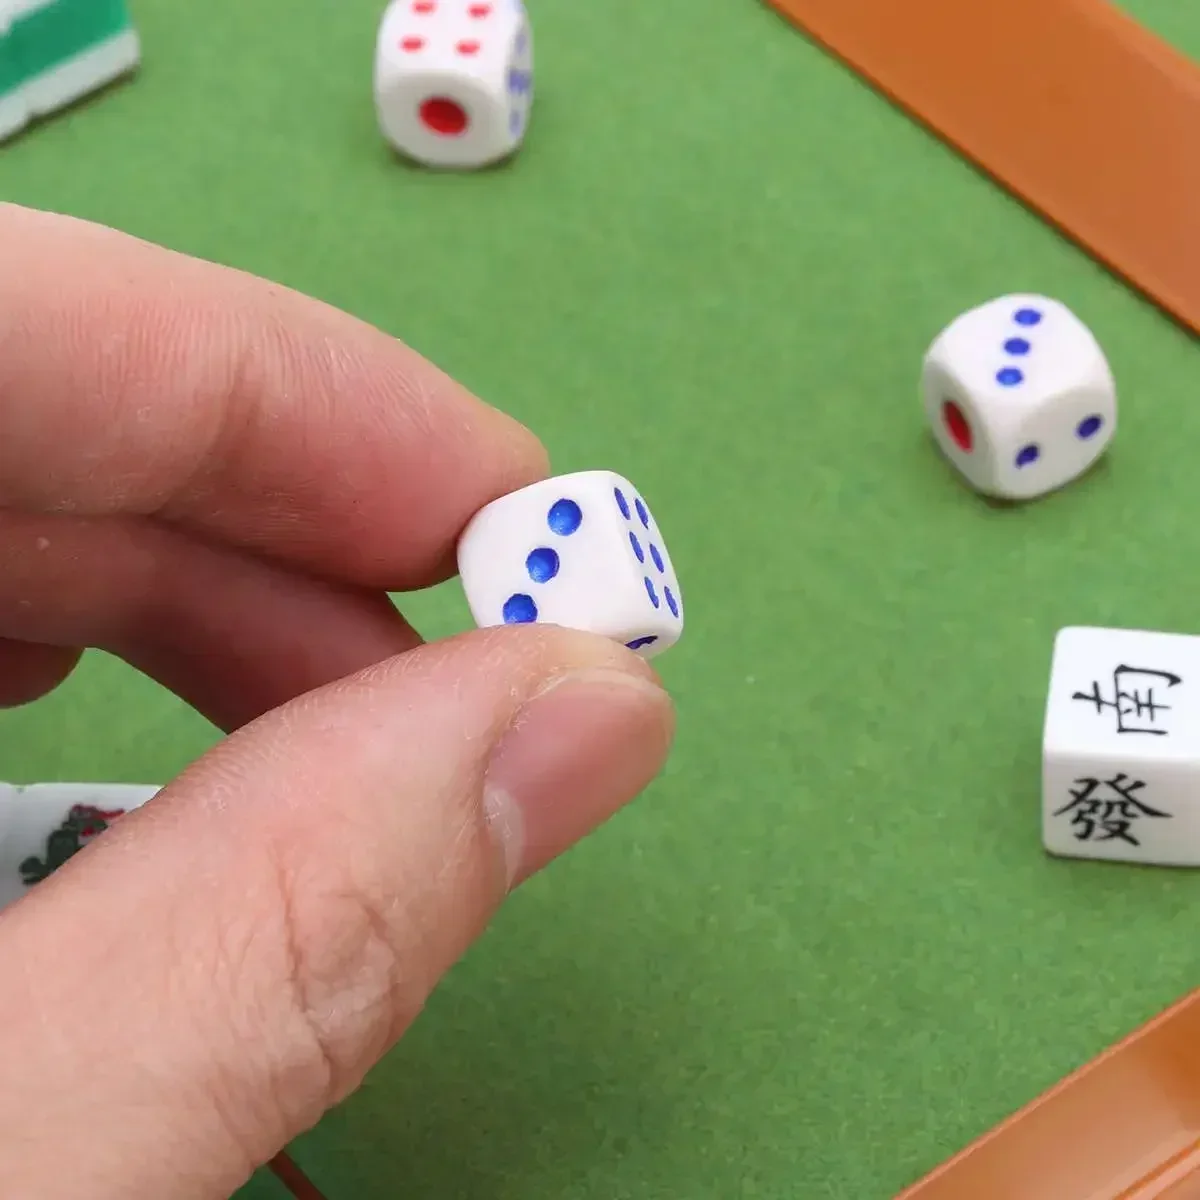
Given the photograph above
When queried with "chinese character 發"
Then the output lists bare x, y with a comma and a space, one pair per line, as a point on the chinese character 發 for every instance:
1133, 701
82, 823
1104, 810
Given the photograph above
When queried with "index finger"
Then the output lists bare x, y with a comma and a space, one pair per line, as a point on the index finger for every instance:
134, 380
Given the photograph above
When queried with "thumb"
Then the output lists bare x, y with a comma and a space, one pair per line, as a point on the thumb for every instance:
204, 980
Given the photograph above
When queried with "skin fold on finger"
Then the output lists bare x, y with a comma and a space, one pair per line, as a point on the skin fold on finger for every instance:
235, 409
286, 906
29, 671
231, 634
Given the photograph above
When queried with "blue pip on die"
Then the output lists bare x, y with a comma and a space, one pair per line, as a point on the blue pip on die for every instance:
1019, 396
581, 551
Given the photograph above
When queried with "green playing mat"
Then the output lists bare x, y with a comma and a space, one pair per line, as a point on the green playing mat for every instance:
825, 949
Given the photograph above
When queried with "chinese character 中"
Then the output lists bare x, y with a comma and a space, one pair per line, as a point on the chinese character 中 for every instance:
1133, 702
1105, 810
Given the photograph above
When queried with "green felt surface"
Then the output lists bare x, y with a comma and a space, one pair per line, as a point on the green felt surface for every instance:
826, 949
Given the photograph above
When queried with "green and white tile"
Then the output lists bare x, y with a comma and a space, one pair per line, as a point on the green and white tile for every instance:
13, 112
55, 52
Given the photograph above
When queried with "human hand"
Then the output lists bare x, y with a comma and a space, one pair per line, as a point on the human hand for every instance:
218, 480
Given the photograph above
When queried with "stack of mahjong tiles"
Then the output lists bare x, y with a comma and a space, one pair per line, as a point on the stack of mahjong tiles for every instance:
55, 52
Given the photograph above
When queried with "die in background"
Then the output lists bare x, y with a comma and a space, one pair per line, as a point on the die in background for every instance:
454, 79
580, 550
44, 824
1019, 396
1121, 747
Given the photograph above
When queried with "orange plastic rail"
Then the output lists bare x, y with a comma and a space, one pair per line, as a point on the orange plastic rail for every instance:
293, 1178
1080, 111
1124, 1127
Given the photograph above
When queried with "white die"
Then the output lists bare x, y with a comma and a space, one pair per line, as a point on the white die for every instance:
454, 79
581, 550
1121, 747
1019, 396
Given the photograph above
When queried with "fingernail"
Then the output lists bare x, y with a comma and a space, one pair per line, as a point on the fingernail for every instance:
579, 750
